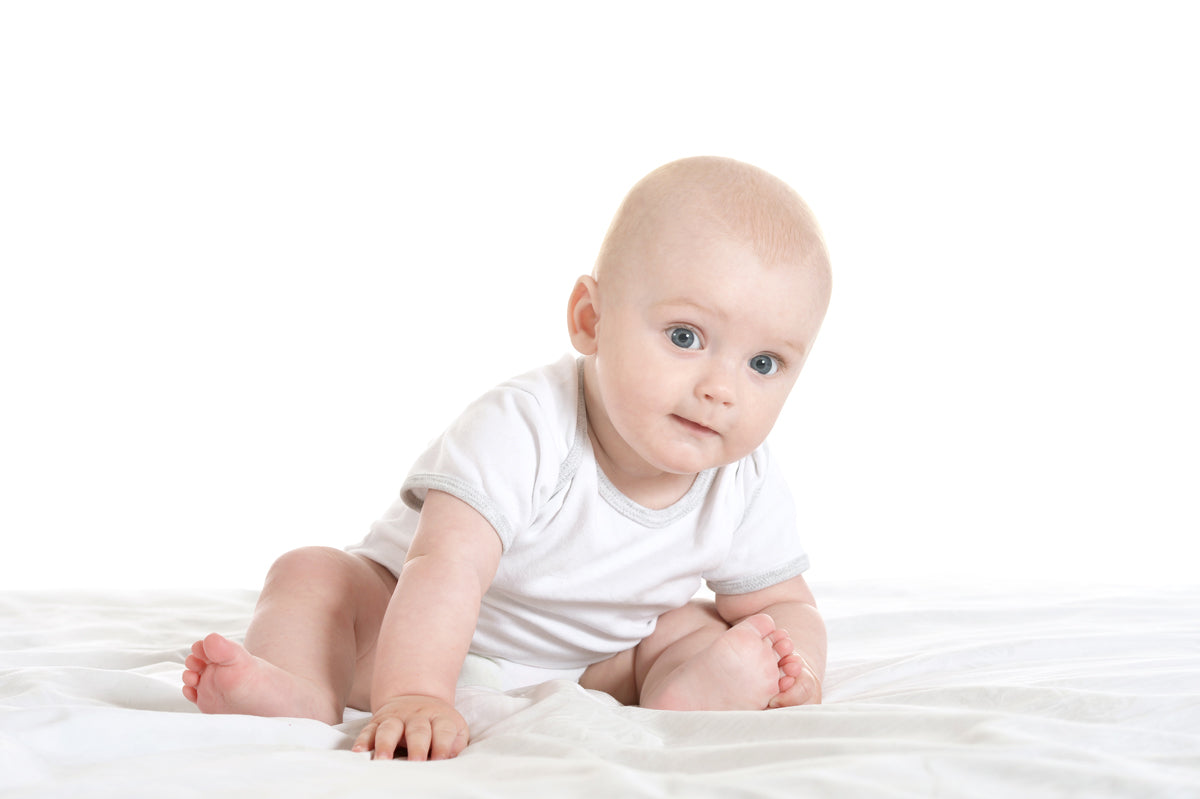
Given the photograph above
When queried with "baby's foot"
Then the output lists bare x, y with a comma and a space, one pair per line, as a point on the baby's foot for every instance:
798, 685
222, 677
740, 670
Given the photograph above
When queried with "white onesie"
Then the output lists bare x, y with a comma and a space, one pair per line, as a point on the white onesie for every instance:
585, 572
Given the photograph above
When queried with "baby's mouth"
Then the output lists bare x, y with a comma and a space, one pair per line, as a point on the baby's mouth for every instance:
694, 427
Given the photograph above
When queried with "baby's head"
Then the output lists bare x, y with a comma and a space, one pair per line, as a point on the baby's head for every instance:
706, 298
722, 198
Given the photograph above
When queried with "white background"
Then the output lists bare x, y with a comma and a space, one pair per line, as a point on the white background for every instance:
255, 256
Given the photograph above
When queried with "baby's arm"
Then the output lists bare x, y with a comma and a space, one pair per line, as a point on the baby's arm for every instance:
427, 632
793, 608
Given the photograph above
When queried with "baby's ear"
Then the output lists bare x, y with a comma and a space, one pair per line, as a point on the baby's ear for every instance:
583, 312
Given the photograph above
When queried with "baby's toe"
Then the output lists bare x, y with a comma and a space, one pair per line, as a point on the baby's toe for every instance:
792, 664
781, 642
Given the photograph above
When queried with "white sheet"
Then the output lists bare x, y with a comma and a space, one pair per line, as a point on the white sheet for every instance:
929, 693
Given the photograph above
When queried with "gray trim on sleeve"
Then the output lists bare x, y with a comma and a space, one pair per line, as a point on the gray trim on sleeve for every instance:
758, 582
464, 491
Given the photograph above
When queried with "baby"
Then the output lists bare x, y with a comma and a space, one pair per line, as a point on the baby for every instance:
561, 526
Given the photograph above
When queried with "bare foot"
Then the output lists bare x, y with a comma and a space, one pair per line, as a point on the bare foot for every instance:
740, 670
222, 677
799, 684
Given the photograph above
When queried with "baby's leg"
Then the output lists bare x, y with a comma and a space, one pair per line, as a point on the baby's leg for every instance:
738, 669
695, 661
309, 649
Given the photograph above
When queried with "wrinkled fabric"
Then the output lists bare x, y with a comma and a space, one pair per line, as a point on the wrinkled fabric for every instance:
931, 691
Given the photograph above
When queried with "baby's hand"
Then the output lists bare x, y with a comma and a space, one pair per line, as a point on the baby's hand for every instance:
798, 685
429, 728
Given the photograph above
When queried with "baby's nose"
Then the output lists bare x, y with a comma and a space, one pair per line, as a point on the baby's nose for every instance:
716, 384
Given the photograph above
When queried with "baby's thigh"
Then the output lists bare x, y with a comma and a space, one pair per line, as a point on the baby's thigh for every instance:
699, 614
623, 674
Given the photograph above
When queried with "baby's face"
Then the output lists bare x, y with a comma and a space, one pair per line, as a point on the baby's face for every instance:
700, 344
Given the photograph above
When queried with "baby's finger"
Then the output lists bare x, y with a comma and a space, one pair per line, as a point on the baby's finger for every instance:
417, 736
387, 738
448, 739
365, 739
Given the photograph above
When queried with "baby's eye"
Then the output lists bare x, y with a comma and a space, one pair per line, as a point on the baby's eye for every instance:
764, 364
684, 338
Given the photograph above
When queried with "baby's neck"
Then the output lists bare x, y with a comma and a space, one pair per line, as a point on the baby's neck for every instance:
654, 492
659, 494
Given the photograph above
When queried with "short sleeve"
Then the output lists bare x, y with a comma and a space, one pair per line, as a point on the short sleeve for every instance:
502, 457
765, 548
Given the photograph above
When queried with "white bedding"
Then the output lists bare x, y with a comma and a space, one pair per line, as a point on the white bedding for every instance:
931, 692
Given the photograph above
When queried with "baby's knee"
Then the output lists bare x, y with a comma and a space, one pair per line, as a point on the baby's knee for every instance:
312, 566
695, 615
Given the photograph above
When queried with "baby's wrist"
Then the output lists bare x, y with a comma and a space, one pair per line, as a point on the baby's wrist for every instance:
408, 697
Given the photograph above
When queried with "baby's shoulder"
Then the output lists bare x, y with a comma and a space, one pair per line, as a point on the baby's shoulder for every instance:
750, 472
544, 399
755, 479
536, 414
555, 385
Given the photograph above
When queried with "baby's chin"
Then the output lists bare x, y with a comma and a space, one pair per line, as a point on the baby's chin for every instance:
683, 460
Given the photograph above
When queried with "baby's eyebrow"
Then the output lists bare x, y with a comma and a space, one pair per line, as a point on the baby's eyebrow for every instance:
685, 302
796, 348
